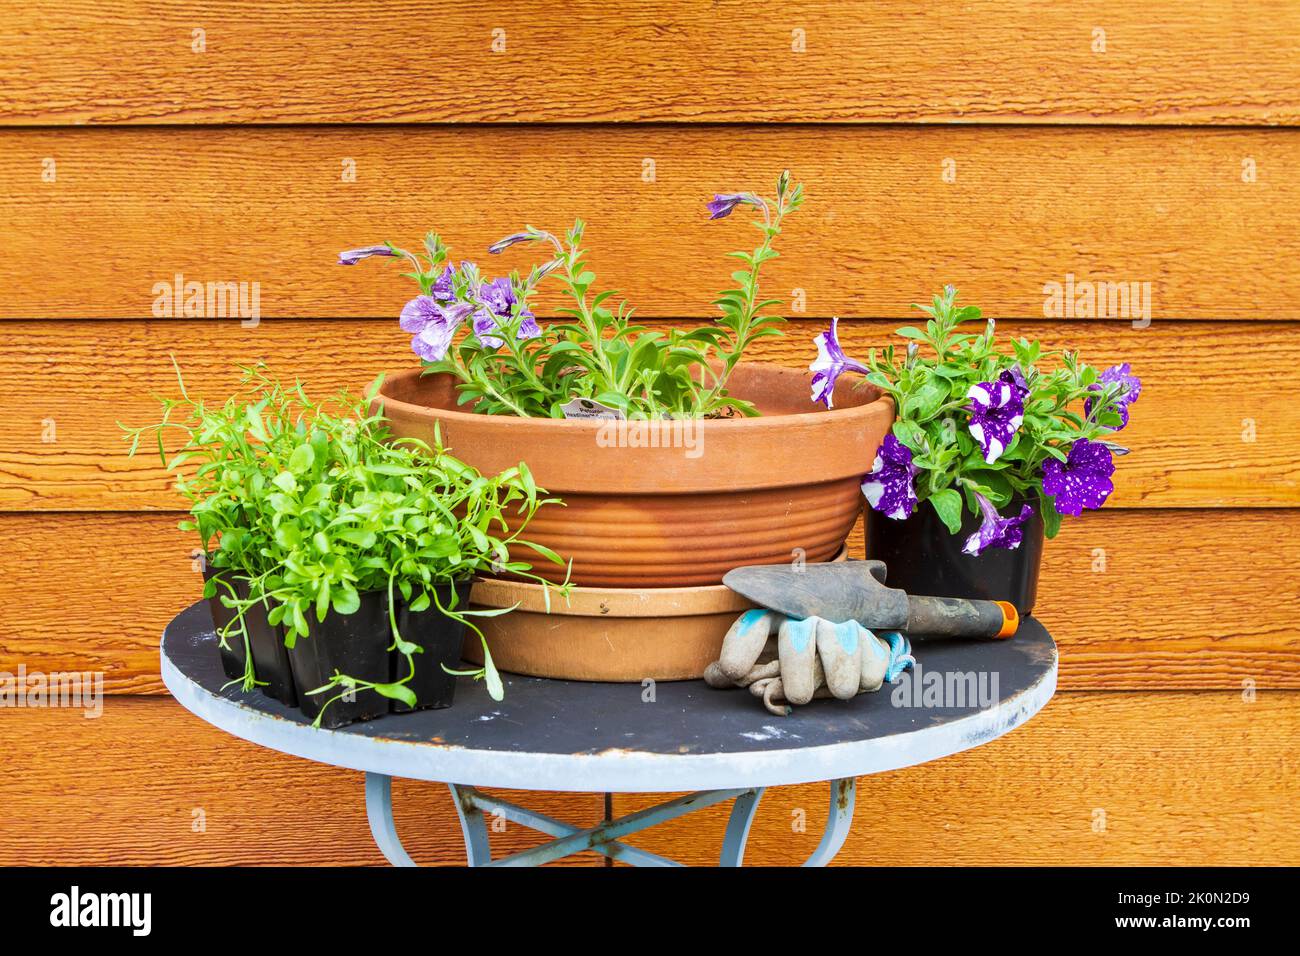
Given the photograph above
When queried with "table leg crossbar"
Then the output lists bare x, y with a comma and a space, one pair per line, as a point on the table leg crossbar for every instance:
474, 807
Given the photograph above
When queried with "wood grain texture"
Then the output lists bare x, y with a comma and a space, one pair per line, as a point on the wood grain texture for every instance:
1093, 780
147, 783
1029, 206
1135, 599
1181, 778
1204, 384
387, 61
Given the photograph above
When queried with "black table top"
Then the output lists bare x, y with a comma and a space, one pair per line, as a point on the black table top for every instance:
961, 694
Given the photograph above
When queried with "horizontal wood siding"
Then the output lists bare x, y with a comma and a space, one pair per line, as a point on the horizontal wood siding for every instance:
1133, 597
1028, 206
1094, 779
1214, 427
1001, 147
1015, 61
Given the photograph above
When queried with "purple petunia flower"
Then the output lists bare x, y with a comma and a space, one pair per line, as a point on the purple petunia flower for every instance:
830, 364
888, 488
996, 411
352, 256
497, 295
723, 204
1129, 392
543, 271
485, 323
501, 245
528, 327
1016, 377
996, 531
1082, 480
443, 289
432, 325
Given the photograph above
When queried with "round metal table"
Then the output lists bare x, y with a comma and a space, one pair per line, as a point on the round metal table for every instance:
636, 738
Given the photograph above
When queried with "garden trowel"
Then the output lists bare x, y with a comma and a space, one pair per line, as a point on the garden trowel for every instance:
855, 591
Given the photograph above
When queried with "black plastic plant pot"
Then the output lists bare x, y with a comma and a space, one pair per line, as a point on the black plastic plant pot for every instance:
441, 638
232, 656
270, 657
354, 644
923, 557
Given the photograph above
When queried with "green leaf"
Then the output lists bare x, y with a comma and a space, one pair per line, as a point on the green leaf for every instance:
923, 403
947, 504
397, 692
496, 690
345, 600
302, 459
911, 435
285, 482
1051, 517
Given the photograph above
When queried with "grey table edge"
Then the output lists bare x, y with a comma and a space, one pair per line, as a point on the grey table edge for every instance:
741, 775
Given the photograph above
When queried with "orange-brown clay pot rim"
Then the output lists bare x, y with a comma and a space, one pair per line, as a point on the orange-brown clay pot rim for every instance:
802, 449
614, 602
593, 426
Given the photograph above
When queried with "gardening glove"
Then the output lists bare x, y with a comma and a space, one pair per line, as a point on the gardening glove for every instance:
786, 661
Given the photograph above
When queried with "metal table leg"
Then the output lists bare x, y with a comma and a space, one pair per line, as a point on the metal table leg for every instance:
379, 811
737, 832
471, 806
839, 820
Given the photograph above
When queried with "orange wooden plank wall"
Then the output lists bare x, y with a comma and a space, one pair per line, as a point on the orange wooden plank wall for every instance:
1000, 146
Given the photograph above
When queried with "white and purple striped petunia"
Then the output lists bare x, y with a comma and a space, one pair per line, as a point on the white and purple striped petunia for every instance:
501, 245
432, 325
1130, 389
1082, 480
888, 488
351, 257
996, 411
485, 323
443, 289
830, 364
996, 531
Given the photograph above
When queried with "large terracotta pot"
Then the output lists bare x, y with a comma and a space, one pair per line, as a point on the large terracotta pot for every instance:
731, 492
604, 634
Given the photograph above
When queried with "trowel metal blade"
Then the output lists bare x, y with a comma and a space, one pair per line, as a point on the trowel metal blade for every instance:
837, 591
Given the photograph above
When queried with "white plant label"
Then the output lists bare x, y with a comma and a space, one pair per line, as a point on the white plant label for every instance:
578, 408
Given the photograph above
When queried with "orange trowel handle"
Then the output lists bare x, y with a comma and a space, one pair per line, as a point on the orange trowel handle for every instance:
958, 617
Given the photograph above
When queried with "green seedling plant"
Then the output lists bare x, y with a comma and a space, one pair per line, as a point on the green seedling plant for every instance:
485, 335
316, 504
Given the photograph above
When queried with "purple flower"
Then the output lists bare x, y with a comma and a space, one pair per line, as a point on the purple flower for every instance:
485, 323
497, 295
528, 327
996, 531
432, 325
1082, 480
996, 411
1131, 388
352, 256
501, 245
1016, 377
830, 364
889, 486
541, 272
443, 290
724, 203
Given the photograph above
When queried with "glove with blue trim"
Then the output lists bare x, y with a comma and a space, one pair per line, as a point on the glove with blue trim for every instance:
785, 661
